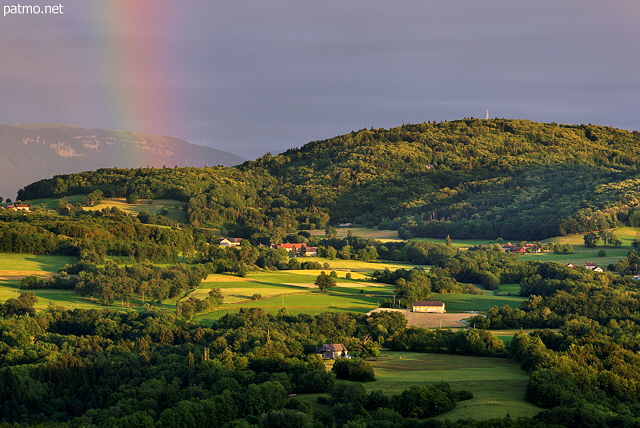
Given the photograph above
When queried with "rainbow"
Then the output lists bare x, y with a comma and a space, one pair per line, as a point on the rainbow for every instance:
132, 59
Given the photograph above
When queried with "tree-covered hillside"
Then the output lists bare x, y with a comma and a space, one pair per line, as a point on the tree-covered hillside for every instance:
469, 178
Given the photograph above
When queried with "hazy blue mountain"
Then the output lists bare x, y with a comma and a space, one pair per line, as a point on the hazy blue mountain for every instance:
30, 152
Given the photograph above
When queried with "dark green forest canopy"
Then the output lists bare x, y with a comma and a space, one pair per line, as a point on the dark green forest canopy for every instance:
469, 178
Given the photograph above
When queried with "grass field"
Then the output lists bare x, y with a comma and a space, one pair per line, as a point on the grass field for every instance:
51, 203
580, 256
514, 289
363, 232
32, 262
457, 243
498, 384
63, 298
363, 267
474, 302
174, 207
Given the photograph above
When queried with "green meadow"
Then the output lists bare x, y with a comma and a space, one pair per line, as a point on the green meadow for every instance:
498, 384
50, 203
363, 232
457, 243
581, 255
32, 262
64, 298
154, 206
475, 302
362, 266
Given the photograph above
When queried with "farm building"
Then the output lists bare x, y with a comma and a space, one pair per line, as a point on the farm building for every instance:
311, 251
229, 242
431, 307
331, 352
290, 247
514, 249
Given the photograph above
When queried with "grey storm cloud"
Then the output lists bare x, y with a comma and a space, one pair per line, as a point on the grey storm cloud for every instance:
251, 77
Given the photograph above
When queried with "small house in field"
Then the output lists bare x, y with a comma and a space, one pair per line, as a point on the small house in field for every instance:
331, 352
311, 251
22, 207
590, 265
429, 307
229, 242
569, 265
598, 269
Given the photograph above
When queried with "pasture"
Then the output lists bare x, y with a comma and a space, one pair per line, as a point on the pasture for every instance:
474, 302
457, 243
17, 266
362, 266
363, 232
498, 384
154, 206
50, 203
67, 299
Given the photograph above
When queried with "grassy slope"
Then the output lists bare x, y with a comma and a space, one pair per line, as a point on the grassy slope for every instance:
175, 207
31, 262
498, 384
380, 235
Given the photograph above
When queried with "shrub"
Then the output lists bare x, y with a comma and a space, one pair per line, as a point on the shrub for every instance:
32, 282
355, 369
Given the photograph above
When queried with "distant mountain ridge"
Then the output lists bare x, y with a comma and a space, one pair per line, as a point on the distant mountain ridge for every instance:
31, 152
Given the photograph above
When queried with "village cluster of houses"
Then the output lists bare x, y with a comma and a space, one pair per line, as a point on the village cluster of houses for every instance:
16, 207
589, 265
297, 249
509, 247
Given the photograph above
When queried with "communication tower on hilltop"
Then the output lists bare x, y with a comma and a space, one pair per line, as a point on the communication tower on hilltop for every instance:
487, 114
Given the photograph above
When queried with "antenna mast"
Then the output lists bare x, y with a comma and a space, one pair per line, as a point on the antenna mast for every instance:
487, 114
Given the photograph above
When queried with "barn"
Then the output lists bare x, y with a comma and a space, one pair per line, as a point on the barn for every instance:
428, 306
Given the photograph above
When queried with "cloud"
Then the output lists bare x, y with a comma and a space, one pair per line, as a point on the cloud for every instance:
252, 77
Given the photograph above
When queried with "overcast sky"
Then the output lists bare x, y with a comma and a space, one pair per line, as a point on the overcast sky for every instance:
256, 76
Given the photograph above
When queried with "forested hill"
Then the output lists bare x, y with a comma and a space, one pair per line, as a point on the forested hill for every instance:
469, 178
30, 152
